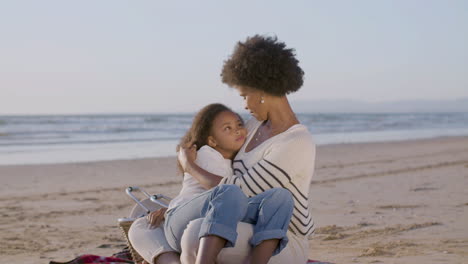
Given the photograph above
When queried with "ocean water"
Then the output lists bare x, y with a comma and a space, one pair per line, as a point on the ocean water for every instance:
76, 138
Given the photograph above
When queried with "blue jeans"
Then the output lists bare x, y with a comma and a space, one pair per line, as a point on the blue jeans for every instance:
224, 206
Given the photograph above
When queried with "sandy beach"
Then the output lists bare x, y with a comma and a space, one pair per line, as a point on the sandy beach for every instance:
392, 202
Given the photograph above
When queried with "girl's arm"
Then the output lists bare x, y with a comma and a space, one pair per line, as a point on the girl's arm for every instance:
187, 158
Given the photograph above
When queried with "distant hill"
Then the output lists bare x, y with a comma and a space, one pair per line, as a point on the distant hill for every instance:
334, 106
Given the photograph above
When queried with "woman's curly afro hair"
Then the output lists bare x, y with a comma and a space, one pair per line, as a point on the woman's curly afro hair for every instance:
263, 63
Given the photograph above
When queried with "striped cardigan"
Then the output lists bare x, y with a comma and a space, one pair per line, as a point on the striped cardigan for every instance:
285, 160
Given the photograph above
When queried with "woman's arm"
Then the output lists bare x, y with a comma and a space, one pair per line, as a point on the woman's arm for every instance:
187, 158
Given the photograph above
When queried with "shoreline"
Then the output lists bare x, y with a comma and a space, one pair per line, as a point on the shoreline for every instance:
173, 156
376, 202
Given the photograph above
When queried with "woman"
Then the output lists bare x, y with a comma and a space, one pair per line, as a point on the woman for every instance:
279, 152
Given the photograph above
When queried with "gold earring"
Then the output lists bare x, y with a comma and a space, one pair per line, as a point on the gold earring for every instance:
262, 101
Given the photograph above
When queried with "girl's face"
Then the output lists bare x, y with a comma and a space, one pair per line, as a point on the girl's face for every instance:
227, 134
253, 102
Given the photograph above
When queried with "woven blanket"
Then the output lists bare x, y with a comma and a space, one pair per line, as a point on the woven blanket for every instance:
93, 259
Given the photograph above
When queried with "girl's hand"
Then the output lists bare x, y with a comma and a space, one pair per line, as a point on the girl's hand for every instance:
187, 155
155, 218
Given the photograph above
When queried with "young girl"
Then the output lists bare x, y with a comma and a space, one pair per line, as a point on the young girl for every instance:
219, 133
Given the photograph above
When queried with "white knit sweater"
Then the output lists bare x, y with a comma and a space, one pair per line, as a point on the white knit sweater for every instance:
286, 160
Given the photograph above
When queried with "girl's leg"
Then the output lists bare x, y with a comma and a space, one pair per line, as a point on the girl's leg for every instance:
263, 251
270, 212
214, 234
210, 246
222, 208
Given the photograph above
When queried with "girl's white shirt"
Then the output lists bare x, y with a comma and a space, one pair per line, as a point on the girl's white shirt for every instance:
210, 160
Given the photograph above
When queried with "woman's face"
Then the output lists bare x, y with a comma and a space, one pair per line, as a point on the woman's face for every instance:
227, 134
253, 102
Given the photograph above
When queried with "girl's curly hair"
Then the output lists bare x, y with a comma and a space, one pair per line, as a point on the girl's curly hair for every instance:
265, 64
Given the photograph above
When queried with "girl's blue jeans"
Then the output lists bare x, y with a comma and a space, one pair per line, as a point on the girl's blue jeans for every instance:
224, 206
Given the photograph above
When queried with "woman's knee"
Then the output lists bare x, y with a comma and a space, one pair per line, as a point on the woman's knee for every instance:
148, 242
137, 229
190, 241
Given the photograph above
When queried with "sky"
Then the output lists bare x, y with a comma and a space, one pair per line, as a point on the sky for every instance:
113, 56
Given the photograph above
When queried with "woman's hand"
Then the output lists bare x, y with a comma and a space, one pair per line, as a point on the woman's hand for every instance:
187, 155
155, 218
